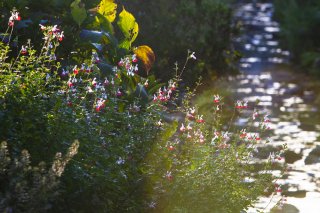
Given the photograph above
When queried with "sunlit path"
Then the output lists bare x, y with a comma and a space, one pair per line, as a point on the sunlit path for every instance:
288, 97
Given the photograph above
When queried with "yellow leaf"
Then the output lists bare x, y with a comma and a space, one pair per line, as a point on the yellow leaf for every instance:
146, 55
128, 25
107, 8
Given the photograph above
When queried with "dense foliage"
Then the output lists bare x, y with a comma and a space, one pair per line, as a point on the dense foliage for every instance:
142, 146
300, 31
203, 26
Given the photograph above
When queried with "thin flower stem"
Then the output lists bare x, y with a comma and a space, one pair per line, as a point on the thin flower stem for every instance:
10, 35
14, 61
184, 67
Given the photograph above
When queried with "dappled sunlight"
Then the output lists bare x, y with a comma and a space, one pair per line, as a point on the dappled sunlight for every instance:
289, 101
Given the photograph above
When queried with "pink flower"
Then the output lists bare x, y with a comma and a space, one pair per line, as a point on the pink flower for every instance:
189, 127
172, 85
169, 176
42, 27
24, 50
278, 189
100, 105
189, 136
171, 148
119, 93
155, 98
75, 70
11, 23
266, 119
182, 128
243, 133
134, 58
191, 113
106, 82
146, 84
200, 119
201, 138
242, 104
14, 17
55, 29
94, 82
255, 115
70, 84
190, 116
216, 99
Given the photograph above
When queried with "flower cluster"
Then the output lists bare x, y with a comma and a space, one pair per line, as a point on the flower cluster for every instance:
164, 94
128, 63
277, 189
191, 129
24, 49
216, 98
78, 88
52, 32
220, 139
265, 124
14, 17
242, 104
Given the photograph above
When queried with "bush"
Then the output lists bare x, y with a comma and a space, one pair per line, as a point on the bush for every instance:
128, 160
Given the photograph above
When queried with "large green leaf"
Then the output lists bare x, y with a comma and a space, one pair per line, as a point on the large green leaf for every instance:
78, 12
108, 9
128, 25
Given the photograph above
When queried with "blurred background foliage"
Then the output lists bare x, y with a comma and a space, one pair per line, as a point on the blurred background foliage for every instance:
171, 27
300, 31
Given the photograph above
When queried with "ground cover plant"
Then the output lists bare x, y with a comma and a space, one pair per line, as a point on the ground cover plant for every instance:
133, 156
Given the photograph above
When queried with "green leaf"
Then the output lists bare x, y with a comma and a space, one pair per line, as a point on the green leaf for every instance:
78, 12
129, 27
104, 23
108, 9
125, 44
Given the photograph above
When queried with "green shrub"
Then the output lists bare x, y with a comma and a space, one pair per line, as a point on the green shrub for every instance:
128, 160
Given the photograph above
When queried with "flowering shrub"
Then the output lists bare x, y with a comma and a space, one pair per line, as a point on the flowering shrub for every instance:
129, 159
44, 106
207, 165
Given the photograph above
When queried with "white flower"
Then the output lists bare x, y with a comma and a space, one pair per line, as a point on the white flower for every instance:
193, 56
120, 161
